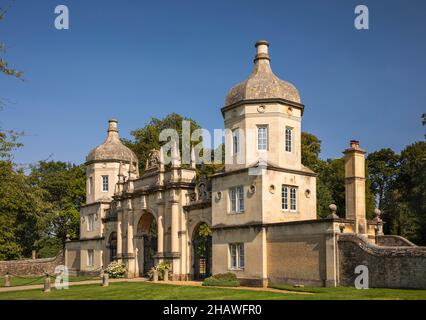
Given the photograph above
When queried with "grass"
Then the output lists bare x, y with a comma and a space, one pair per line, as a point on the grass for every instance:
345, 293
22, 281
151, 291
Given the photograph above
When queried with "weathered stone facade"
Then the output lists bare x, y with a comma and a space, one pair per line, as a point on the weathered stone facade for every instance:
261, 207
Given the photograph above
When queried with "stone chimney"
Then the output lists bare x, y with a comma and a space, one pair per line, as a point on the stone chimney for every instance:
355, 186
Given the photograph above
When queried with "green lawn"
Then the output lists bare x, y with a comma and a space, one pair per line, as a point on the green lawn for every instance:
22, 281
147, 291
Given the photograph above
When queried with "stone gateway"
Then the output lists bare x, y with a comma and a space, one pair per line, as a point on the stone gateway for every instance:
261, 207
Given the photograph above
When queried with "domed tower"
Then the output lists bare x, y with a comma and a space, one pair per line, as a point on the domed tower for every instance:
263, 116
104, 165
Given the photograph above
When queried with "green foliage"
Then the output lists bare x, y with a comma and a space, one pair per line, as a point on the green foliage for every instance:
161, 268
64, 189
4, 67
404, 205
48, 247
116, 270
8, 143
331, 178
222, 280
147, 138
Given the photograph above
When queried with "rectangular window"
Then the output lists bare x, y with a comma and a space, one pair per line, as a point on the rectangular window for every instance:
240, 256
289, 198
235, 141
284, 197
236, 256
90, 222
105, 184
288, 139
90, 258
233, 256
240, 198
233, 196
262, 138
293, 199
236, 196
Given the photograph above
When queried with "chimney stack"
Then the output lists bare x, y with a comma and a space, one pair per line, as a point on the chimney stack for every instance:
355, 186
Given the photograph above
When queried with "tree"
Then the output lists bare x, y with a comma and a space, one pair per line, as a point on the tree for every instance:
383, 170
147, 138
4, 67
64, 189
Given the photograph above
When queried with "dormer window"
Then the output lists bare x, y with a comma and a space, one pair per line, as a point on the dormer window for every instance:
105, 183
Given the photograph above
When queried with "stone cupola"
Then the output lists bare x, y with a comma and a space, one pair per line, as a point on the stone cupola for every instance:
108, 164
262, 83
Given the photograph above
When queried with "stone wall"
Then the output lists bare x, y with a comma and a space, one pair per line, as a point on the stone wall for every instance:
301, 253
394, 241
389, 267
31, 267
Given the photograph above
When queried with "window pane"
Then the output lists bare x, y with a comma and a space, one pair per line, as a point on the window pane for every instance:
262, 138
105, 183
233, 253
240, 199
284, 198
293, 199
236, 141
233, 198
241, 255
288, 139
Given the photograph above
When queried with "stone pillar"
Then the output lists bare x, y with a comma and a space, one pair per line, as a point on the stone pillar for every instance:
119, 237
130, 250
160, 228
355, 186
175, 227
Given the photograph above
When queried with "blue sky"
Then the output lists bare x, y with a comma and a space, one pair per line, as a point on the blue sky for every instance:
139, 59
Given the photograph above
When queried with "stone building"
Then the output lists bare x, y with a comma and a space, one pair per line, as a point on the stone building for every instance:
261, 207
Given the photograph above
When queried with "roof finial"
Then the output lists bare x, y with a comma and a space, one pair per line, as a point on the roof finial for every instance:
113, 125
262, 51
113, 129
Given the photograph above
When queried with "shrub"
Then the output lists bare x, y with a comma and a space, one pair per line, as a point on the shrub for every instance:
222, 280
116, 270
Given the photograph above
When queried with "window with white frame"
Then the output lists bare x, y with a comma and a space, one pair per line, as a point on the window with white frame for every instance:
90, 258
90, 222
288, 139
262, 138
105, 183
288, 198
236, 256
235, 141
236, 197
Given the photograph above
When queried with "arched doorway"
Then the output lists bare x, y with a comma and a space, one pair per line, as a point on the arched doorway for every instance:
147, 230
112, 244
202, 250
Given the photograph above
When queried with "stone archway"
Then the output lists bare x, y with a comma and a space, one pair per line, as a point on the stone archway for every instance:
147, 248
202, 251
